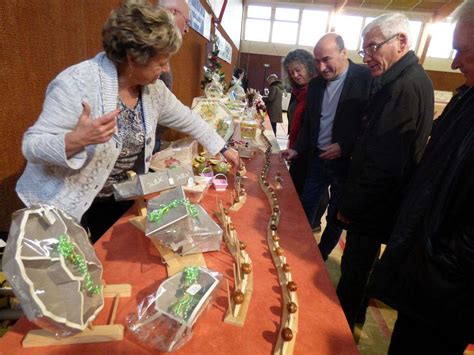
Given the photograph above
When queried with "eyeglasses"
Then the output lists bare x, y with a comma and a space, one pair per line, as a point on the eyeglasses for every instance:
370, 51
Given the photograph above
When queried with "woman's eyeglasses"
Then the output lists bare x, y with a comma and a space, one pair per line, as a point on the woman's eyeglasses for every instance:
370, 50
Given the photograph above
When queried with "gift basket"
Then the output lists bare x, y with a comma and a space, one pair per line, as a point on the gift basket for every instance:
185, 228
207, 166
53, 270
164, 319
236, 92
216, 114
196, 190
179, 154
213, 89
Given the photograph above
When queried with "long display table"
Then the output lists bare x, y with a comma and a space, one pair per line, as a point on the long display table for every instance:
130, 257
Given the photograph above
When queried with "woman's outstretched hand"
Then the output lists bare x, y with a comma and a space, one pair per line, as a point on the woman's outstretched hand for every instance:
90, 131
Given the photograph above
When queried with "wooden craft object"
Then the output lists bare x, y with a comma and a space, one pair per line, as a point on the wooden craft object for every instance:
238, 204
100, 334
278, 181
174, 263
239, 320
289, 323
236, 312
139, 206
93, 334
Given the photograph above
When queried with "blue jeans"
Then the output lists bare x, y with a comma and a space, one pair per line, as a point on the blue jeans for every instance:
321, 175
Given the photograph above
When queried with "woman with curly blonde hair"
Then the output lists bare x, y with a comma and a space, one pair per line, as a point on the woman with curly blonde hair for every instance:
99, 119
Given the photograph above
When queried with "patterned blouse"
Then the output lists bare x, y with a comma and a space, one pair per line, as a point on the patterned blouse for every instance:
131, 131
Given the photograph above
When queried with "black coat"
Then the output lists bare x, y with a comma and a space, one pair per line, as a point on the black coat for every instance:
349, 113
427, 269
273, 102
396, 129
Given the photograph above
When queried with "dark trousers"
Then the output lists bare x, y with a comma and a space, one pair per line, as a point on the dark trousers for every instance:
321, 175
410, 336
323, 205
298, 171
274, 127
102, 214
360, 254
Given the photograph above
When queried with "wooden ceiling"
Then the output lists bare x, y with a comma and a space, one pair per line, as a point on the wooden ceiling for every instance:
438, 8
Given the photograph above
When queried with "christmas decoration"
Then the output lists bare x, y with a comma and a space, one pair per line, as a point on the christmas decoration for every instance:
214, 66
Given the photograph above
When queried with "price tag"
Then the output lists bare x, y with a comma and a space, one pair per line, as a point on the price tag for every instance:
193, 289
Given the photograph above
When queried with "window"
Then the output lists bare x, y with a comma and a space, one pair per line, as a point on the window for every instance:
263, 12
287, 14
367, 21
415, 27
257, 25
285, 26
441, 40
257, 30
349, 27
284, 32
313, 26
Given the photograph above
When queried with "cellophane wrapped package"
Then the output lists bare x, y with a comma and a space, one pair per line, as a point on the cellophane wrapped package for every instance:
200, 236
164, 319
179, 154
53, 270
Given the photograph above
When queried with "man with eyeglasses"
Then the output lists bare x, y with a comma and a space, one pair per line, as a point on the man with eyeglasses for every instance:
180, 11
427, 270
395, 132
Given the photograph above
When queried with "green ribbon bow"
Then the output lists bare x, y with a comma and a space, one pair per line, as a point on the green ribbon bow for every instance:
67, 250
164, 209
185, 304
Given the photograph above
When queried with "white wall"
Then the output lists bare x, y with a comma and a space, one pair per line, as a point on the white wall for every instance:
232, 20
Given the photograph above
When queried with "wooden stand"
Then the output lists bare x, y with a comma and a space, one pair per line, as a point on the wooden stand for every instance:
94, 334
239, 310
289, 321
243, 281
174, 262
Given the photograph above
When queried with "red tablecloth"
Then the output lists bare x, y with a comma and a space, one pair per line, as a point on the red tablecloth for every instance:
129, 257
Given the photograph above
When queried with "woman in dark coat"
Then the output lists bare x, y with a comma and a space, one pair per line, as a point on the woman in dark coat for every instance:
300, 68
273, 101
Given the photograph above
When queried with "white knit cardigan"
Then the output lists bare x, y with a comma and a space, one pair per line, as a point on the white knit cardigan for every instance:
72, 184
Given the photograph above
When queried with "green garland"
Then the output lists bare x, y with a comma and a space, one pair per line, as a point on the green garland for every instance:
67, 250
164, 209
184, 306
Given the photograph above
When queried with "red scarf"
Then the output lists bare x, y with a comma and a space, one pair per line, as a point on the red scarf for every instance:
300, 95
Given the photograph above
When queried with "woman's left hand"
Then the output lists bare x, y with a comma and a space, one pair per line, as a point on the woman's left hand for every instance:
232, 156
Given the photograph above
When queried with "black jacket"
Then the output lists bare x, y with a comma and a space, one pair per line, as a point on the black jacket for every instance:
273, 101
427, 269
347, 120
396, 129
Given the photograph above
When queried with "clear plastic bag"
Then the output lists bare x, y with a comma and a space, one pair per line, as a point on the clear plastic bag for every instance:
53, 270
179, 154
236, 92
214, 89
164, 319
191, 235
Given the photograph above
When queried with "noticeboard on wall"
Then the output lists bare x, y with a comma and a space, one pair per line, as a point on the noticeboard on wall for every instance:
225, 49
200, 19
